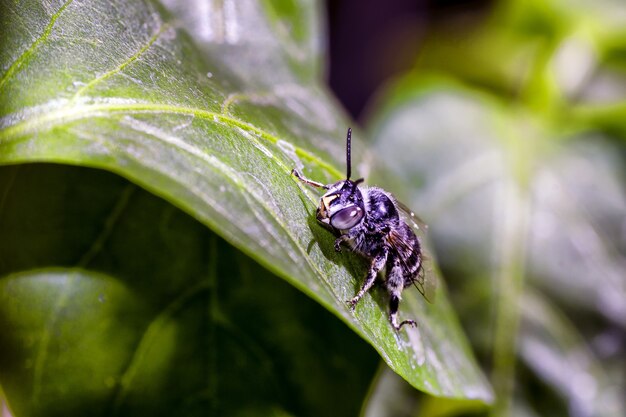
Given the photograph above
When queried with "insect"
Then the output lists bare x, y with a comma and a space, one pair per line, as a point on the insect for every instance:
368, 221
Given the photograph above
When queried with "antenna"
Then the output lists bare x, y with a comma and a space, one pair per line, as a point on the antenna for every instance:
348, 162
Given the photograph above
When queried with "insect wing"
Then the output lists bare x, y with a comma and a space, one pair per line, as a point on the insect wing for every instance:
426, 280
411, 218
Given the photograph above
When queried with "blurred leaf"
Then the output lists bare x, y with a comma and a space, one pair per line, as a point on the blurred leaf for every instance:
553, 348
289, 31
459, 148
508, 195
391, 396
543, 53
119, 86
124, 305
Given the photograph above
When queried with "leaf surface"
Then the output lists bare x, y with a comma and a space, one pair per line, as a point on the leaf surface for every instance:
122, 87
124, 305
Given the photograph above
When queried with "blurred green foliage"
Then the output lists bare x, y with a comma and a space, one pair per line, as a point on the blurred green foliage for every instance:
512, 129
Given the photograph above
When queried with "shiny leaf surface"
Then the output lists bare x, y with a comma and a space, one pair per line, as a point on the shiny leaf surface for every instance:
122, 86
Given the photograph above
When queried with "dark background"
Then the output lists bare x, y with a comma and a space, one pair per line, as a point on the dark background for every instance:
383, 39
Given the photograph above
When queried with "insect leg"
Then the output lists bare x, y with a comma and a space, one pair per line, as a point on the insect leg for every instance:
352, 240
395, 285
343, 239
299, 176
377, 263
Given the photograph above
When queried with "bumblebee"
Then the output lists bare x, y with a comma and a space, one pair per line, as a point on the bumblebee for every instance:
368, 221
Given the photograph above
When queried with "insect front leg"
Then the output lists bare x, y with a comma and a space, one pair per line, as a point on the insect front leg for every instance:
395, 285
377, 264
353, 240
343, 239
305, 180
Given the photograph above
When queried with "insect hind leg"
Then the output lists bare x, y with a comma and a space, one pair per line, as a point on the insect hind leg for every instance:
394, 303
395, 285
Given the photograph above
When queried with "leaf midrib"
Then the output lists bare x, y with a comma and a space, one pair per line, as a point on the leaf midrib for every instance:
66, 114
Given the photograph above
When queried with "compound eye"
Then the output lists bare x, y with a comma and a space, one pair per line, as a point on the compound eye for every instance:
346, 218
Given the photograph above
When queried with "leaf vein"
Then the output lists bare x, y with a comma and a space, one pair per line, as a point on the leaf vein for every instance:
109, 224
123, 65
147, 340
46, 337
28, 52
70, 113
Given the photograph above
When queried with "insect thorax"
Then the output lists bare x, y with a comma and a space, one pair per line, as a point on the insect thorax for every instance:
382, 213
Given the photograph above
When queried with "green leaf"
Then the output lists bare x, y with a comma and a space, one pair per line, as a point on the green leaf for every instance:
124, 305
289, 31
122, 87
391, 396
